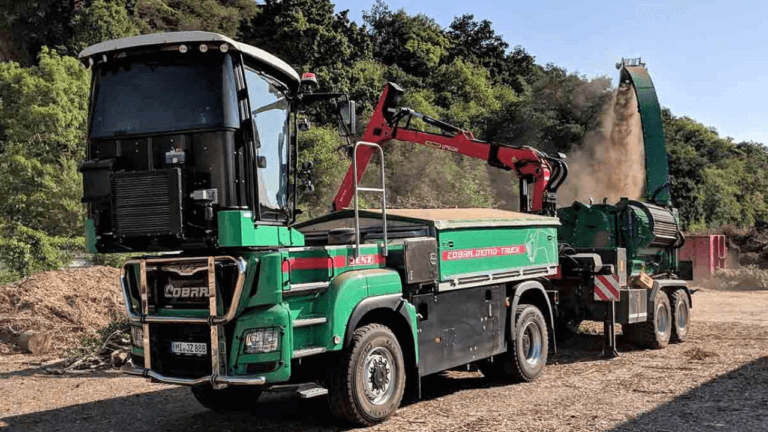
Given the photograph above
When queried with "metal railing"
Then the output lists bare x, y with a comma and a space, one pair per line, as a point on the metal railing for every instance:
382, 191
215, 321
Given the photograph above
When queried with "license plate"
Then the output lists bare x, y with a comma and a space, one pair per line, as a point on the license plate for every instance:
193, 348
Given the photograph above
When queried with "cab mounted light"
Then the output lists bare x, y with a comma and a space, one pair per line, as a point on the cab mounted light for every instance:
309, 82
224, 48
183, 49
203, 48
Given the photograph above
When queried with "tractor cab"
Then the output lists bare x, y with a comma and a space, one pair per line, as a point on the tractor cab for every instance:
191, 144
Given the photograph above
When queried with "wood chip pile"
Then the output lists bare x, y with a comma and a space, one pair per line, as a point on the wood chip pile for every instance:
70, 305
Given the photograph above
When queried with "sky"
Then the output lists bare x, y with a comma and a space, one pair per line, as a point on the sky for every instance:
708, 59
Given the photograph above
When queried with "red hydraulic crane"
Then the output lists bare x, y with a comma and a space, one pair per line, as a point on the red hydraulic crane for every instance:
545, 173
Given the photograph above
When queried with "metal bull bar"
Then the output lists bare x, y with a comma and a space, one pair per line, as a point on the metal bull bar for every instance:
217, 379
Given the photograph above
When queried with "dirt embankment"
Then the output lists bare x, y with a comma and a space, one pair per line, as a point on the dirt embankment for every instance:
68, 304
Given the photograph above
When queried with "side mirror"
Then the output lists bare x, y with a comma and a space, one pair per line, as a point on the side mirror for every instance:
348, 117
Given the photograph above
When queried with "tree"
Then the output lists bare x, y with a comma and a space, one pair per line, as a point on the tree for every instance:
307, 34
218, 16
98, 22
33, 25
478, 43
416, 44
43, 108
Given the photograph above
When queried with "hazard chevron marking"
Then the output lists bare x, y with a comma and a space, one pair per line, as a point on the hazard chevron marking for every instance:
607, 288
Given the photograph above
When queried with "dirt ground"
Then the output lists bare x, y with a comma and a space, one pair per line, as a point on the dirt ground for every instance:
717, 381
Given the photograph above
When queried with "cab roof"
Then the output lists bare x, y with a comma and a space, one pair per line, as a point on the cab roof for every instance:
281, 69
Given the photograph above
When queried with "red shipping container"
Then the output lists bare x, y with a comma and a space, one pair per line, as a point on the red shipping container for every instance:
708, 253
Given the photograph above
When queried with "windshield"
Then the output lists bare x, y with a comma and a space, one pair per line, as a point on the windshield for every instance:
269, 109
164, 96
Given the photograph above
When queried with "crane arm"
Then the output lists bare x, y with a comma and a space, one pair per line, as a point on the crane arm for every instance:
530, 165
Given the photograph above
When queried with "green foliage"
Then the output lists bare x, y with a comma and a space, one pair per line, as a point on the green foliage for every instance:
714, 181
42, 196
307, 34
416, 44
43, 114
100, 21
465, 74
320, 145
216, 16
24, 251
44, 107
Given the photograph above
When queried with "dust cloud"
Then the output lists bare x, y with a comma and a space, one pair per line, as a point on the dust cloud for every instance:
611, 162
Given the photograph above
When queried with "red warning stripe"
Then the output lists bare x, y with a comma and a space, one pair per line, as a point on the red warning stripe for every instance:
611, 283
607, 288
322, 263
600, 294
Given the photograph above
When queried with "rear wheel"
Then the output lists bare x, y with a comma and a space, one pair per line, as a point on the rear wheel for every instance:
526, 357
531, 344
241, 398
657, 332
368, 385
680, 315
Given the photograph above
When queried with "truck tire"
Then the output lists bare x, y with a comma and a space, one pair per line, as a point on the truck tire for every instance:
531, 345
230, 399
367, 386
681, 313
654, 334
525, 359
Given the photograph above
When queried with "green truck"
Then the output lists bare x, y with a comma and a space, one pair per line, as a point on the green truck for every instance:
192, 167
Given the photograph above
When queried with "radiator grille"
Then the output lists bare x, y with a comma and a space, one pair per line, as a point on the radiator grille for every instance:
179, 365
147, 203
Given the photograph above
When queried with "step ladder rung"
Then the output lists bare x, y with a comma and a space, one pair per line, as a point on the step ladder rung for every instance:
313, 392
306, 352
305, 322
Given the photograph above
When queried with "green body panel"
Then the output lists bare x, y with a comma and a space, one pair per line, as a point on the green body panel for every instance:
276, 316
411, 309
345, 293
90, 236
236, 229
269, 282
466, 251
656, 164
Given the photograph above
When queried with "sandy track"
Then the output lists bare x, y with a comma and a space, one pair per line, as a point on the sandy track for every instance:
716, 381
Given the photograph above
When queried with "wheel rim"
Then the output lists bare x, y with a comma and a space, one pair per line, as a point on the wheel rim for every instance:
379, 375
682, 315
662, 319
532, 342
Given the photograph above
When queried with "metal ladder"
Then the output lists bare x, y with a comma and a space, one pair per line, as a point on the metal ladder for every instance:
382, 191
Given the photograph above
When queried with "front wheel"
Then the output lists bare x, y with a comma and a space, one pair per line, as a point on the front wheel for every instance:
368, 384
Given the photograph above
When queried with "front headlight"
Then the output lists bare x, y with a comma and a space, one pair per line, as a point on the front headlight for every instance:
261, 341
137, 336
